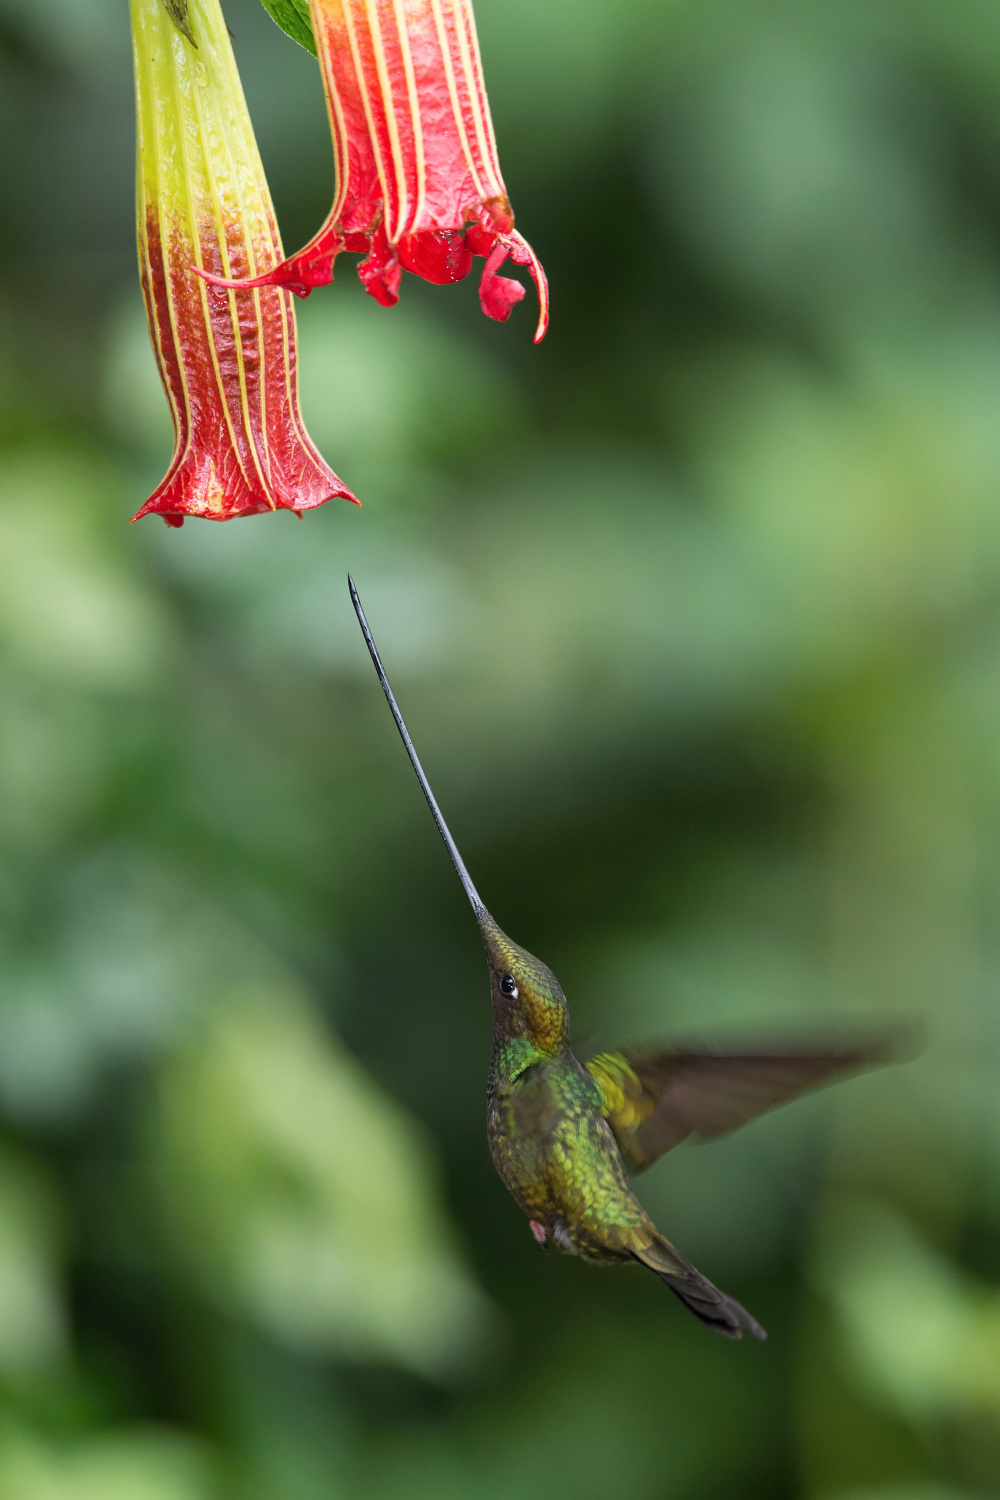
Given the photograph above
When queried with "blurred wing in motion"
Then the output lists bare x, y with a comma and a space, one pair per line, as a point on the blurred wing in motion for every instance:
653, 1100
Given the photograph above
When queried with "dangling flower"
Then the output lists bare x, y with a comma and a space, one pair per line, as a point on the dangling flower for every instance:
418, 181
226, 358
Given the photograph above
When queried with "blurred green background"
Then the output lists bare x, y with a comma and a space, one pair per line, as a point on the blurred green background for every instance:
694, 612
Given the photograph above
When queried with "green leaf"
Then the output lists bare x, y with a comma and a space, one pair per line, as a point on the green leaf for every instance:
293, 17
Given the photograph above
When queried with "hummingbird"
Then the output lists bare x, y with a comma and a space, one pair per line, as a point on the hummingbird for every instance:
564, 1134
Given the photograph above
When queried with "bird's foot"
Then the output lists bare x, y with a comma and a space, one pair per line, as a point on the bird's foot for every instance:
540, 1233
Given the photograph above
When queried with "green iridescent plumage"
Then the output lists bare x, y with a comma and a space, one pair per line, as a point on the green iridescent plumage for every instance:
561, 1132
550, 1136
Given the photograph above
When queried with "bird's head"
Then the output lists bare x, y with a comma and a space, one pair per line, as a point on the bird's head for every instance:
528, 1000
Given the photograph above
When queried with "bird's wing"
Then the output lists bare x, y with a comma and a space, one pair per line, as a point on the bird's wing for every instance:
655, 1099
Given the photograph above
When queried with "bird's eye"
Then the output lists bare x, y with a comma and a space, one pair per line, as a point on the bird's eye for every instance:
509, 984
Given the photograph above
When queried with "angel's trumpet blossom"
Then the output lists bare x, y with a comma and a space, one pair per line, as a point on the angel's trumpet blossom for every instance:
418, 181
226, 357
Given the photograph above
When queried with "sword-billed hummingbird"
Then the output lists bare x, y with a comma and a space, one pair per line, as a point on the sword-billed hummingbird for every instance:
561, 1132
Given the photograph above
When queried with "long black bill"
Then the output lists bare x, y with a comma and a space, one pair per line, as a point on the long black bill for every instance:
404, 734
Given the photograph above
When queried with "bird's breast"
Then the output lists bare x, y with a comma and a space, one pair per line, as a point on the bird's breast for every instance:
558, 1158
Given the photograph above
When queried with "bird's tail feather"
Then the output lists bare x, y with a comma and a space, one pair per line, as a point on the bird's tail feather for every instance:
717, 1311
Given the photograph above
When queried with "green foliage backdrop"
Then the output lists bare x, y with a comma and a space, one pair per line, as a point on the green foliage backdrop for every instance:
694, 611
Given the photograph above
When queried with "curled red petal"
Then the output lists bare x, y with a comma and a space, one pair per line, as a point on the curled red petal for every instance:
523, 255
381, 281
380, 271
498, 295
438, 255
479, 239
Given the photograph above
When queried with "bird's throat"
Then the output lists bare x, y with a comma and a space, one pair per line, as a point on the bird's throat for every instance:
514, 1054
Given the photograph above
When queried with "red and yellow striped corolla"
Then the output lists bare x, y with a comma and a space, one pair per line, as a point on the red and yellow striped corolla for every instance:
418, 180
226, 357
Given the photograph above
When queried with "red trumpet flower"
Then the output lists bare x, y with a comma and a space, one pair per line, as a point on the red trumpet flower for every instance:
418, 181
226, 358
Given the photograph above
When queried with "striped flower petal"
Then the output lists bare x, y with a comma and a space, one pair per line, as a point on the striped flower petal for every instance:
418, 181
226, 357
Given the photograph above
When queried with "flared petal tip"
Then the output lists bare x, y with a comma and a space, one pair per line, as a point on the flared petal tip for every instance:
175, 511
310, 267
283, 275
